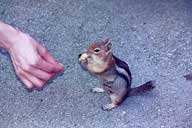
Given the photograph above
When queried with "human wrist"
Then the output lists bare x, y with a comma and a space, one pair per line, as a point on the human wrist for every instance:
7, 35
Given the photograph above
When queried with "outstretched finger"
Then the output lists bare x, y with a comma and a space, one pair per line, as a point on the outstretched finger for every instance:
35, 81
40, 73
48, 57
47, 67
28, 84
45, 54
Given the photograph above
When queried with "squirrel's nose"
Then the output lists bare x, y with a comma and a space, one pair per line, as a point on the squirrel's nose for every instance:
79, 55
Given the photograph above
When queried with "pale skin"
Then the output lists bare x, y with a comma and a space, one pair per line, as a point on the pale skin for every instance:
32, 62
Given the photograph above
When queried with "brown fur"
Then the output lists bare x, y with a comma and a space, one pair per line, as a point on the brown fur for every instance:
114, 73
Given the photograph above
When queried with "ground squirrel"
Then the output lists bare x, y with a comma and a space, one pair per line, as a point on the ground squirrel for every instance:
114, 73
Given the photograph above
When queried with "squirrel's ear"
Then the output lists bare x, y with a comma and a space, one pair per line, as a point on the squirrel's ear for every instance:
108, 44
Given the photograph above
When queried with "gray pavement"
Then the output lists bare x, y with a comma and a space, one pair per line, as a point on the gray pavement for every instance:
153, 36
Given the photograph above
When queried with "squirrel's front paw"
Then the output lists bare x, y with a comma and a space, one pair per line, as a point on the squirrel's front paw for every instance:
108, 107
97, 90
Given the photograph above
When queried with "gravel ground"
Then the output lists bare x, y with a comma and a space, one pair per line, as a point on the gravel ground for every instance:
153, 36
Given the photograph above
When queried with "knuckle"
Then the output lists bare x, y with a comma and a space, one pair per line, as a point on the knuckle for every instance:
19, 72
26, 68
40, 84
50, 76
44, 50
36, 62
47, 77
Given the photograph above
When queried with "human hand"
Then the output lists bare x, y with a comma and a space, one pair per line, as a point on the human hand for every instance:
32, 62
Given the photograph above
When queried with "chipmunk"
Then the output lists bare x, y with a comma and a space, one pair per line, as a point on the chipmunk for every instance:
114, 73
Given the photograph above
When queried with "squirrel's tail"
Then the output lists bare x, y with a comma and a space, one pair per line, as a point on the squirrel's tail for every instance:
188, 77
148, 86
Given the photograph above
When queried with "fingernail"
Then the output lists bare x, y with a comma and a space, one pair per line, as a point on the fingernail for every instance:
62, 66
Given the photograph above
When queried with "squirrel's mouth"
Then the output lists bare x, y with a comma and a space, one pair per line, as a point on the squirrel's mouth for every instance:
83, 57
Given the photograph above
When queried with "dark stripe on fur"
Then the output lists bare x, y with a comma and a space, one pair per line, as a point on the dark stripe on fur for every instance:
125, 78
128, 87
123, 65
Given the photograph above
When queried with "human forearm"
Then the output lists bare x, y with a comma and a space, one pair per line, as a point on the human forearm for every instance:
7, 35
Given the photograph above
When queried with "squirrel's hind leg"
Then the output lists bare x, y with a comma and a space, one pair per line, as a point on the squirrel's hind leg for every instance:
115, 99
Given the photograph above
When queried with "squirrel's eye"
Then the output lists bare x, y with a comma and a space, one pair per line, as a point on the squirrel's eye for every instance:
97, 50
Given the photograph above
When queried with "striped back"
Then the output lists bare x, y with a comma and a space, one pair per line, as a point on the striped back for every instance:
123, 69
